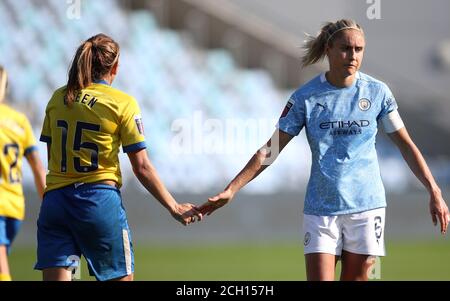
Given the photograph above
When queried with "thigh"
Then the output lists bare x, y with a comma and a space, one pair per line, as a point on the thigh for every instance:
56, 244
356, 267
3, 237
57, 274
103, 233
9, 227
322, 234
320, 266
363, 233
322, 246
12, 229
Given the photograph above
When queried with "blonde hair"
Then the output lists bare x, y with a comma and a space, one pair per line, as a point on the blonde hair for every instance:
3, 83
315, 46
93, 60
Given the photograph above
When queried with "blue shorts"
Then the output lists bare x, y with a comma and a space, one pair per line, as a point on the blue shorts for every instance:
9, 227
87, 220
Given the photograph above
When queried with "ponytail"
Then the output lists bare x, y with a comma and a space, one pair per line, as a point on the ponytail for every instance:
315, 47
93, 60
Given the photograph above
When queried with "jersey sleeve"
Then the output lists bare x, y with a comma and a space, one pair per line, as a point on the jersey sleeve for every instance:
389, 118
46, 132
292, 119
388, 104
29, 141
132, 128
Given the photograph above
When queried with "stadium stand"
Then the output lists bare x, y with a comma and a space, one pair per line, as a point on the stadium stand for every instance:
193, 99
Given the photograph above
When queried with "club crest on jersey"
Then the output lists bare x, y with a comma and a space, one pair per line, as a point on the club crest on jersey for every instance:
139, 124
364, 104
287, 108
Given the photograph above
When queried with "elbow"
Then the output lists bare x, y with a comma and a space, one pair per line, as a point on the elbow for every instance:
138, 171
408, 149
265, 156
143, 169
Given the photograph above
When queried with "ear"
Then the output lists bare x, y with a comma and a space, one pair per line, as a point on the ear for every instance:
327, 48
115, 68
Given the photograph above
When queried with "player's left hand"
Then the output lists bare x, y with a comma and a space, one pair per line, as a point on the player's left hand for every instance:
187, 214
216, 202
439, 211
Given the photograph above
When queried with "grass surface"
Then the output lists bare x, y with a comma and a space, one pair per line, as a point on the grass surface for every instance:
278, 261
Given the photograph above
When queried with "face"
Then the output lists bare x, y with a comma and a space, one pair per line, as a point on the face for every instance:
346, 52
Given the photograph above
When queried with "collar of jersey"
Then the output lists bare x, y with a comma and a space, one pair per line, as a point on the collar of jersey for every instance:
323, 79
102, 81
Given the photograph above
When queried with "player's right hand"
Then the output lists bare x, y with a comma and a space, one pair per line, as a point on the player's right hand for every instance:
216, 202
187, 214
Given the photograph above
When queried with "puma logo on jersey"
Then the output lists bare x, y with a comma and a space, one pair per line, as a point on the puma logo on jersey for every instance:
322, 106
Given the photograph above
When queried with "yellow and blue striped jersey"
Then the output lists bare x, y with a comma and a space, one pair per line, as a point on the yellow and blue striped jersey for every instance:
84, 139
16, 140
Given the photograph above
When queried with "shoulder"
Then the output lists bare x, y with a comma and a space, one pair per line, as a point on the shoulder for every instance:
121, 102
60, 92
13, 113
6, 110
311, 87
57, 96
372, 83
15, 120
118, 95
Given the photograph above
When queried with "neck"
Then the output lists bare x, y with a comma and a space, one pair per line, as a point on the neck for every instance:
340, 81
108, 79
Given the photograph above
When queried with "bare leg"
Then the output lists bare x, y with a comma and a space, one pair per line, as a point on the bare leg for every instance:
355, 267
4, 267
320, 266
57, 274
64, 274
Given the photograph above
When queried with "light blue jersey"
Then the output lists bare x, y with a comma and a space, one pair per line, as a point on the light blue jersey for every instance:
341, 125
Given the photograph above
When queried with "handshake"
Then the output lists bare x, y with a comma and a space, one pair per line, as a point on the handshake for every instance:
188, 213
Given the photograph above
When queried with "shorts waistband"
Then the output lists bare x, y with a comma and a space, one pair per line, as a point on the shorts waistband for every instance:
112, 184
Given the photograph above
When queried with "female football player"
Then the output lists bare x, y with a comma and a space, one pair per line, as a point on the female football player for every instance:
341, 110
85, 123
16, 142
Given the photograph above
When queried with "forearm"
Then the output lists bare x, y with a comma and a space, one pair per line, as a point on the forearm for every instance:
419, 167
38, 172
251, 170
149, 178
39, 181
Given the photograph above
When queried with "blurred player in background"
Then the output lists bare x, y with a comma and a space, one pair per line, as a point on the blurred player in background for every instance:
16, 142
341, 109
85, 123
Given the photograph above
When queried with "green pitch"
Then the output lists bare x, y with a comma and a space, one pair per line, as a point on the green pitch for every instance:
277, 261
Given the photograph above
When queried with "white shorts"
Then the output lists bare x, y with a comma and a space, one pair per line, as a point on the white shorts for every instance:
359, 233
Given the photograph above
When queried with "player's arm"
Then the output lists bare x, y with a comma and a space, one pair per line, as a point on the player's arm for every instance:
416, 162
38, 171
148, 176
263, 158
